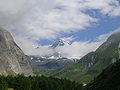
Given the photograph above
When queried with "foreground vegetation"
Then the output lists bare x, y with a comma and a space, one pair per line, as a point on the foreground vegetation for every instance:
109, 79
20, 82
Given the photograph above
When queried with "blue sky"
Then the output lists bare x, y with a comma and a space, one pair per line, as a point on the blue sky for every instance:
103, 26
38, 23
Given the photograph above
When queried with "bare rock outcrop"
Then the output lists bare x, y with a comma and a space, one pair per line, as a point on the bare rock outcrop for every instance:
12, 59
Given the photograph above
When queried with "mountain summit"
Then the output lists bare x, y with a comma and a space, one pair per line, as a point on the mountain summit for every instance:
59, 43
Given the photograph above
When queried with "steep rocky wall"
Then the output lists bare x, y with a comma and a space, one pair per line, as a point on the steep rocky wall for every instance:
12, 58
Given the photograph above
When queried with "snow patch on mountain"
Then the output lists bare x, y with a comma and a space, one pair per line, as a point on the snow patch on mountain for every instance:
59, 43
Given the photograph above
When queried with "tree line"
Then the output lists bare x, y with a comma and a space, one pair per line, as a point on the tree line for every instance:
21, 82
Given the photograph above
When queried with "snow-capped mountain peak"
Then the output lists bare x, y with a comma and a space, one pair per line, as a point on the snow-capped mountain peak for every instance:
59, 43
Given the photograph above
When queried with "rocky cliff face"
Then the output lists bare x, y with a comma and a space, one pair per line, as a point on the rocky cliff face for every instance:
12, 58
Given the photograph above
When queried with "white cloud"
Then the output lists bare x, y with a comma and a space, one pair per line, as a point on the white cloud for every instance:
69, 39
115, 12
30, 47
47, 24
104, 37
75, 50
46, 19
13, 10
78, 49
10, 10
107, 7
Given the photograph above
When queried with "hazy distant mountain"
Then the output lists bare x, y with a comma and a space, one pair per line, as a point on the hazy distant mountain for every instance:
12, 58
